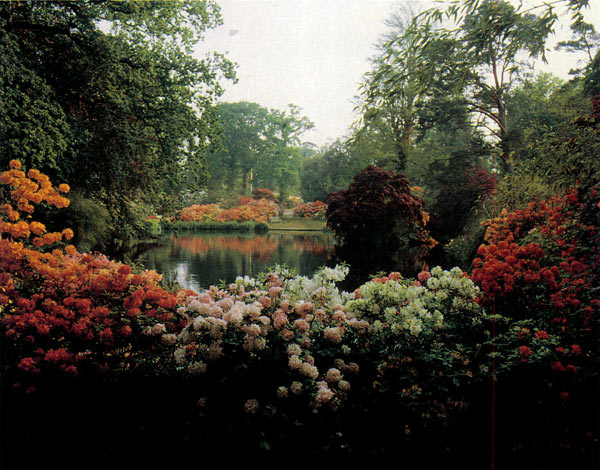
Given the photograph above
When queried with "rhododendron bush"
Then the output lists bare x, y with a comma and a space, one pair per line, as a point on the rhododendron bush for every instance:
285, 347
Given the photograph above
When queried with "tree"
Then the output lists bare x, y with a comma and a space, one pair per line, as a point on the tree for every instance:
537, 109
118, 113
379, 222
260, 147
331, 169
398, 85
584, 38
492, 37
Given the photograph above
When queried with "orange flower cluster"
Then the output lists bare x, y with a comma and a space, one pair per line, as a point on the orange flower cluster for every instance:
310, 210
25, 191
67, 311
257, 210
200, 212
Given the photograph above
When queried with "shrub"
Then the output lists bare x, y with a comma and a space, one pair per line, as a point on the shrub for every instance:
65, 312
291, 346
248, 210
264, 193
539, 268
292, 202
310, 210
178, 225
380, 223
261, 227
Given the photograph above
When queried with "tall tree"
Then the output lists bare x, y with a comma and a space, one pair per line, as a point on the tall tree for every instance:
260, 147
114, 112
492, 38
397, 86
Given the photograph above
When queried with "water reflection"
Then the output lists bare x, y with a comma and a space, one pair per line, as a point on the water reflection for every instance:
195, 261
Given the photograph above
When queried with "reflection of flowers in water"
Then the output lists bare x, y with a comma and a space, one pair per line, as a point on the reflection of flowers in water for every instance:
262, 247
310, 245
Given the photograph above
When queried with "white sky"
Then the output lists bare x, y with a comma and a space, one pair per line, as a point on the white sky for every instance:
313, 53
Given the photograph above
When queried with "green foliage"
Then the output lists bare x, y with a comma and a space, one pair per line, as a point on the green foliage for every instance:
260, 149
261, 227
89, 219
178, 225
592, 77
123, 115
153, 227
331, 169
584, 39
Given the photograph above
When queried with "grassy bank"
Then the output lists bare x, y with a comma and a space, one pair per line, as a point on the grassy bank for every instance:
214, 226
297, 223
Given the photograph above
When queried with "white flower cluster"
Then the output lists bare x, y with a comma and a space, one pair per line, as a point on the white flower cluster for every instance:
321, 287
413, 307
247, 282
315, 323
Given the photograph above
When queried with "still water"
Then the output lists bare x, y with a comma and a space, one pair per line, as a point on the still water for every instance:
198, 260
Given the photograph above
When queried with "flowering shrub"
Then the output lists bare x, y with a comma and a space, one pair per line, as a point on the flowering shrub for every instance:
63, 311
310, 210
200, 212
257, 210
264, 193
295, 345
539, 267
292, 201
545, 256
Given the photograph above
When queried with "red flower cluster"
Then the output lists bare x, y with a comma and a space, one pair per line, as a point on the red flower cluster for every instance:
63, 310
540, 264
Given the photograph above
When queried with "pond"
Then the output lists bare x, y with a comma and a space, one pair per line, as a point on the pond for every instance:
196, 260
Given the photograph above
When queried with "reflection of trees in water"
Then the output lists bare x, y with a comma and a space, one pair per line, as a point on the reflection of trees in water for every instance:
367, 260
199, 260
262, 247
310, 244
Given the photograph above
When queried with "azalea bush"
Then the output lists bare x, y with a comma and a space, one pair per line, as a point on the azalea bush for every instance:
200, 212
248, 209
65, 312
264, 193
292, 202
539, 267
310, 210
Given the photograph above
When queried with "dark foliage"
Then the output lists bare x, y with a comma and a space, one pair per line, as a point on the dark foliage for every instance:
378, 222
